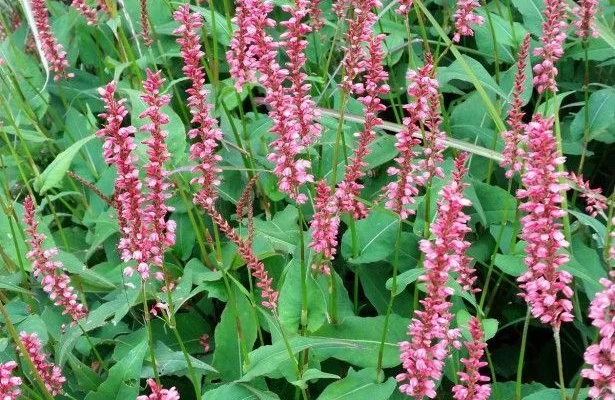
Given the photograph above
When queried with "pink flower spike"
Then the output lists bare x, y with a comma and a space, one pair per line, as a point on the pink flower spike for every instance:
424, 356
49, 373
9, 384
585, 19
207, 129
513, 152
464, 16
595, 202
317, 21
146, 33
324, 225
473, 386
159, 393
545, 286
53, 51
118, 150
161, 233
84, 9
374, 86
55, 282
404, 7
552, 40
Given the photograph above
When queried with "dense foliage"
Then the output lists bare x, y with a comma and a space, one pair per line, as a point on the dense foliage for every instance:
275, 199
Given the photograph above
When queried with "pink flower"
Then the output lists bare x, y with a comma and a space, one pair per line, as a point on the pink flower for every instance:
513, 153
546, 287
118, 150
599, 356
206, 126
424, 356
293, 41
204, 342
49, 373
248, 13
144, 19
595, 202
464, 16
404, 7
161, 233
317, 21
244, 249
9, 384
552, 39
359, 32
55, 282
84, 9
324, 224
585, 18
472, 387
53, 51
340, 7
159, 393
375, 85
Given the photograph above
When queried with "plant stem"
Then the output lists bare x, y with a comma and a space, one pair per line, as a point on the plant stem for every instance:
560, 364
150, 334
526, 325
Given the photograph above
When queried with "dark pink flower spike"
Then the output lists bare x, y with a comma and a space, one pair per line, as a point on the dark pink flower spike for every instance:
404, 7
161, 233
118, 150
53, 51
324, 225
84, 9
159, 393
49, 373
55, 282
9, 384
206, 130
464, 16
585, 19
513, 152
552, 40
546, 288
317, 21
424, 356
473, 386
595, 202
240, 58
374, 86
146, 33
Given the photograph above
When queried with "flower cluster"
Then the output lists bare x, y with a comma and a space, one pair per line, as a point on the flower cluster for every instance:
600, 356
585, 18
159, 393
473, 386
317, 20
424, 356
374, 85
359, 32
53, 51
50, 374
513, 153
118, 150
206, 126
546, 287
55, 282
161, 233
84, 8
145, 29
9, 384
552, 40
324, 225
595, 202
464, 16
404, 7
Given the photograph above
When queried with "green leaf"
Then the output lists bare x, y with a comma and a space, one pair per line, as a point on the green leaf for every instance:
222, 31
532, 14
601, 113
489, 325
376, 237
290, 300
491, 203
87, 379
313, 374
457, 71
171, 362
123, 377
510, 264
365, 334
227, 354
282, 231
405, 278
359, 385
54, 173
554, 394
505, 40
238, 391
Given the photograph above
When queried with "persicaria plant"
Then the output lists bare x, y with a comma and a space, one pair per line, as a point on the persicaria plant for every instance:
307, 199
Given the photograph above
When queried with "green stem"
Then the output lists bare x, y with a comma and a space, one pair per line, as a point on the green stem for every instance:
560, 364
150, 334
526, 325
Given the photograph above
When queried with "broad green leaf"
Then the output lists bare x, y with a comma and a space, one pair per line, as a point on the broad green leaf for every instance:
376, 236
600, 115
55, 172
313, 374
510, 264
489, 325
457, 71
405, 278
359, 385
215, 23
171, 362
554, 394
506, 41
290, 302
365, 334
238, 391
493, 204
282, 231
593, 223
532, 14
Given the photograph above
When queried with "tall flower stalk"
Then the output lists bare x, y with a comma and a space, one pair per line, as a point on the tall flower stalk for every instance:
473, 386
9, 384
86, 10
545, 286
552, 41
50, 374
424, 356
55, 282
464, 16
324, 226
52, 50
585, 19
